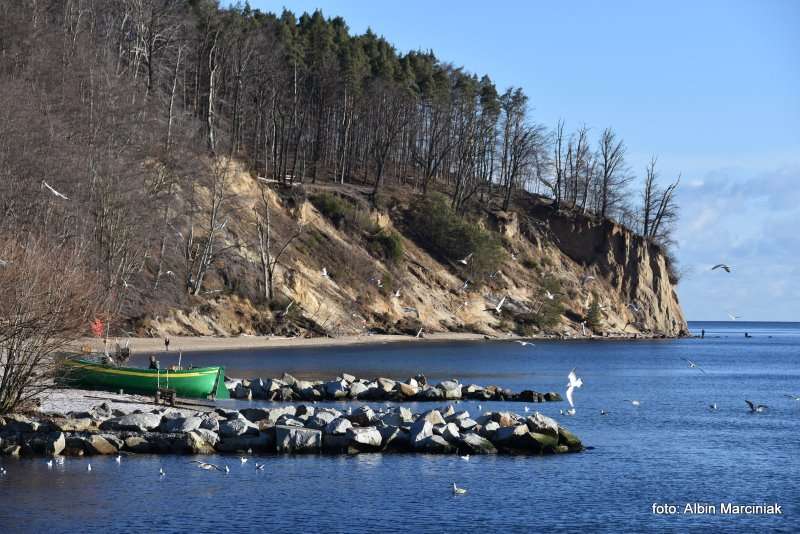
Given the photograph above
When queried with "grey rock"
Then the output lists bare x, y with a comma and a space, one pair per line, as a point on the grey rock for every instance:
297, 440
210, 423
451, 433
362, 416
432, 393
451, 389
364, 439
357, 389
212, 438
386, 384
434, 445
237, 427
420, 430
137, 422
475, 444
336, 389
254, 415
466, 424
348, 378
542, 424
338, 426
264, 442
180, 424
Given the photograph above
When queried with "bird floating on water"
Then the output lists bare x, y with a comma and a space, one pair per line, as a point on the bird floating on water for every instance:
722, 266
693, 365
526, 409
603, 412
574, 382
56, 193
243, 460
88, 467
458, 491
466, 259
713, 407
465, 457
49, 463
570, 412
756, 408
161, 472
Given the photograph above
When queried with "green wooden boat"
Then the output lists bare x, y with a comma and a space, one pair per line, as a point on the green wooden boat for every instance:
202, 382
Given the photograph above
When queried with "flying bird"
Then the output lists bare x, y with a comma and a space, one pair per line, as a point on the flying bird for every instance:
325, 272
756, 408
586, 278
722, 266
56, 193
499, 305
466, 260
693, 365
208, 466
3, 263
574, 382
733, 316
634, 402
793, 397
525, 343
161, 472
458, 491
634, 307
259, 467
419, 334
549, 295
396, 294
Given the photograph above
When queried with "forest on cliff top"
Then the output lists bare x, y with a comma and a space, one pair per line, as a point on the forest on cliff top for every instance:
125, 123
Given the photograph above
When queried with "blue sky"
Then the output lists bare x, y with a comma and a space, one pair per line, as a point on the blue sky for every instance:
711, 88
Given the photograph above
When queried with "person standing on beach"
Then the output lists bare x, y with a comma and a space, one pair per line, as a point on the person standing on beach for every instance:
702, 333
166, 343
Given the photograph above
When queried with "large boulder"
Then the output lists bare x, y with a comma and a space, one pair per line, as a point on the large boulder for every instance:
49, 444
420, 430
366, 439
363, 416
408, 390
338, 427
451, 433
237, 427
297, 440
210, 437
180, 424
357, 389
474, 444
569, 440
135, 422
432, 393
542, 424
348, 378
394, 438
273, 414
434, 445
466, 424
337, 389
68, 424
210, 423
254, 415
451, 389
386, 385
521, 439
97, 444
197, 444
18, 423
242, 392
433, 416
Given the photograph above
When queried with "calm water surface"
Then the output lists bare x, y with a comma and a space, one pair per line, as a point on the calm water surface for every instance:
671, 449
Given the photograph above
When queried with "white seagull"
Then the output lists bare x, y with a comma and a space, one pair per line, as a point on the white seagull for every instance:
49, 464
259, 467
89, 467
756, 408
325, 272
634, 307
396, 294
243, 460
457, 490
3, 263
465, 260
693, 365
56, 193
574, 382
499, 305
419, 334
549, 295
208, 467
733, 316
713, 407
603, 412
793, 397
161, 472
722, 266
525, 343
634, 402
119, 459
465, 457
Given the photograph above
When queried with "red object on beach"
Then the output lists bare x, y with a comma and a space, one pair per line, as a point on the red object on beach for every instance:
97, 328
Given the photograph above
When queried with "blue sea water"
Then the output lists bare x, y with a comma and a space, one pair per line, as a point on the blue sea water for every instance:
671, 449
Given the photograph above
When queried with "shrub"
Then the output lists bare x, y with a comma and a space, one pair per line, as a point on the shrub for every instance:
443, 233
389, 245
593, 317
343, 214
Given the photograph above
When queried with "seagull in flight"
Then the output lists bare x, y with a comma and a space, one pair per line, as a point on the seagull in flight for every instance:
693, 365
499, 305
574, 382
586, 278
756, 408
525, 343
549, 295
419, 334
56, 193
634, 402
458, 491
325, 272
396, 294
634, 307
733, 316
161, 472
722, 266
793, 397
208, 467
465, 260
3, 263
259, 467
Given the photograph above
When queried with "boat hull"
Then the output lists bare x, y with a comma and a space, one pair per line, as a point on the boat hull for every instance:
202, 382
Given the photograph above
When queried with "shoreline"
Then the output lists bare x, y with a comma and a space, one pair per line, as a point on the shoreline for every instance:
208, 343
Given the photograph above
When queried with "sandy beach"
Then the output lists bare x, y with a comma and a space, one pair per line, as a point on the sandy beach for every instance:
207, 343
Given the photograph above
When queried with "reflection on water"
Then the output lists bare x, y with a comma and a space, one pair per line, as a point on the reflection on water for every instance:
671, 449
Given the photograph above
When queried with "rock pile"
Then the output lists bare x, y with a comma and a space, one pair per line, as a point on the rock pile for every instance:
287, 429
348, 387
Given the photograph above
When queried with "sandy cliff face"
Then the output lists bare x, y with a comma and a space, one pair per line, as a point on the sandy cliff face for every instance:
584, 259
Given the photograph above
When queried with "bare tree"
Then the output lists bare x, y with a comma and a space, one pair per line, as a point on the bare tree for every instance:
269, 260
613, 174
48, 299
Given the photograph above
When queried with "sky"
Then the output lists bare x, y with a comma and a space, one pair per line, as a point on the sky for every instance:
711, 88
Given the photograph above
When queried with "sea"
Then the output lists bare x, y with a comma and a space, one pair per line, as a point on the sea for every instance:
670, 464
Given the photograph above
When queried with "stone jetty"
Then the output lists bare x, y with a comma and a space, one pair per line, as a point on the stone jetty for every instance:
348, 387
281, 430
